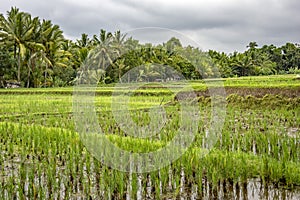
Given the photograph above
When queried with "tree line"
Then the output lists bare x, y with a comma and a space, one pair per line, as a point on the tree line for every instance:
35, 53
255, 61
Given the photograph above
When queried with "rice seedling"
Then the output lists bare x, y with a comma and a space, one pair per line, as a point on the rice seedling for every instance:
42, 155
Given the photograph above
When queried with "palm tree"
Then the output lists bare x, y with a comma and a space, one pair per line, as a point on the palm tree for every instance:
84, 41
118, 48
102, 55
35, 54
105, 38
80, 56
252, 45
53, 55
118, 42
16, 31
120, 69
242, 64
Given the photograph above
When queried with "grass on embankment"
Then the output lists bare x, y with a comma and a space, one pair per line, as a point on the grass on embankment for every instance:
275, 82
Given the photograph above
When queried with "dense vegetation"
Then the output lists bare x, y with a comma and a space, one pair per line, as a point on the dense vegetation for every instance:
35, 53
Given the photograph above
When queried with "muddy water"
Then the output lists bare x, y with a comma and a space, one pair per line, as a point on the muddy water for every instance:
253, 189
141, 187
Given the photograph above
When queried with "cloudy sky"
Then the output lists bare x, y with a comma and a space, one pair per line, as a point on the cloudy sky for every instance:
223, 25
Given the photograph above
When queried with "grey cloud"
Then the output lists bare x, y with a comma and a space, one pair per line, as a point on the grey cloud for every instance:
216, 24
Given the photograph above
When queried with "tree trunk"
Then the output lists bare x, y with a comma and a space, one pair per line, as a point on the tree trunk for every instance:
19, 68
120, 77
28, 78
28, 74
45, 78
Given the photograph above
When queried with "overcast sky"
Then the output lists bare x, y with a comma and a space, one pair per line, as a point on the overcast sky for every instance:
223, 25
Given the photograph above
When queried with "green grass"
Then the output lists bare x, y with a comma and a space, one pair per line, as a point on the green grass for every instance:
42, 155
274, 81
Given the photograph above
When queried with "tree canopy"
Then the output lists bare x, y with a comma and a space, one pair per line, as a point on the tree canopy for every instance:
35, 53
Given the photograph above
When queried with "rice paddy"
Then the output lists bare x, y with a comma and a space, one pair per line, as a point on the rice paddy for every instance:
256, 156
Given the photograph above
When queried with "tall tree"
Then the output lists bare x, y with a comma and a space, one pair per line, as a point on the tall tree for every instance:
242, 64
53, 55
252, 45
16, 31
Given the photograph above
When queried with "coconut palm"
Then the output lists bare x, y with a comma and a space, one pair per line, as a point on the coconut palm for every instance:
118, 42
242, 64
53, 54
84, 41
252, 45
102, 56
16, 31
33, 50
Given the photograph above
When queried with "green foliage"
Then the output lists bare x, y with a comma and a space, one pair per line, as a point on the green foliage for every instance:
295, 70
266, 60
35, 53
